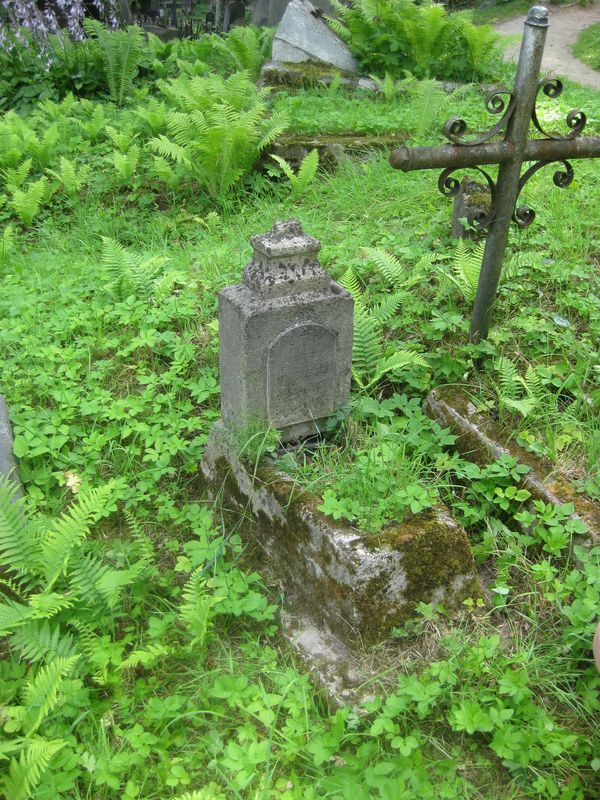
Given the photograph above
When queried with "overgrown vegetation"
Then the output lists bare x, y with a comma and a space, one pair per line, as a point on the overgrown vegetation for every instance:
399, 36
141, 657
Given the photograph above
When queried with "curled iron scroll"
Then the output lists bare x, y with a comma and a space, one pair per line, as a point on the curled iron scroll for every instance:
455, 128
449, 186
525, 215
576, 119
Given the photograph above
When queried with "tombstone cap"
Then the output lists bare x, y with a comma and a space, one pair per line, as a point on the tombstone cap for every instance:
285, 239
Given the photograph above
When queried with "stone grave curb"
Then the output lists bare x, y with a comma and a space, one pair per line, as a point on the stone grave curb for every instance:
344, 590
480, 439
357, 585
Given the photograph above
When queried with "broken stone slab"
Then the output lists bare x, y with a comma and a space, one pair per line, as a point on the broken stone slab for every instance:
9, 469
355, 585
481, 439
303, 36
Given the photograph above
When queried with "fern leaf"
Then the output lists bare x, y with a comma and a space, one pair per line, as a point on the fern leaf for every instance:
387, 308
284, 166
41, 692
196, 607
13, 615
307, 171
69, 531
25, 773
16, 538
388, 265
366, 348
349, 281
508, 378
399, 360
39, 641
145, 656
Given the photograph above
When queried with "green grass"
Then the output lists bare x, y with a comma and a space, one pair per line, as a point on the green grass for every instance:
112, 376
587, 46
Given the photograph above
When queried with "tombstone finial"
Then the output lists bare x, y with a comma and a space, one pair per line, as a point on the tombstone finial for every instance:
538, 16
285, 262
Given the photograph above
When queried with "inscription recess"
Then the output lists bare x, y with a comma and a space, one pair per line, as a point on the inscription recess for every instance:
301, 374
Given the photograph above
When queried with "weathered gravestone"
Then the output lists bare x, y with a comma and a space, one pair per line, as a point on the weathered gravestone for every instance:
285, 353
285, 338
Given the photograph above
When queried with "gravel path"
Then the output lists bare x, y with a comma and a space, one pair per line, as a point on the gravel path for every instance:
566, 23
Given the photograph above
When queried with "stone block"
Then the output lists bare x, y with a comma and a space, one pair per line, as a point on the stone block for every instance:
285, 338
480, 440
303, 36
355, 585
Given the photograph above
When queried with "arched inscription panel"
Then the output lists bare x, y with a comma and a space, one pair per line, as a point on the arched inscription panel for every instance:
301, 375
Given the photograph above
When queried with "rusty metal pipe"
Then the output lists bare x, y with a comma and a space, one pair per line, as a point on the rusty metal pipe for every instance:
456, 156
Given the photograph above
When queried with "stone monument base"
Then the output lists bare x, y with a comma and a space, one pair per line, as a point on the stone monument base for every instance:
342, 581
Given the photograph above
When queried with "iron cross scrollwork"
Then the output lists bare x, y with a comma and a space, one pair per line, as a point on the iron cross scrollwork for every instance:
517, 110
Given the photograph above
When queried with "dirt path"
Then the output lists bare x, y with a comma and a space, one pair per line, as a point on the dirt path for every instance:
566, 23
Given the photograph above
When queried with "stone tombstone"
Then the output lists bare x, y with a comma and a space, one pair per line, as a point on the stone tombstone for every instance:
303, 36
285, 338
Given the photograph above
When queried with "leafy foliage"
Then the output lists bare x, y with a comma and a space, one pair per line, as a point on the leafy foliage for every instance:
369, 364
394, 36
218, 128
121, 52
466, 266
307, 172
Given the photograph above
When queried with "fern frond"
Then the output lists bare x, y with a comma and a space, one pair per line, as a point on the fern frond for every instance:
196, 607
170, 149
112, 583
69, 531
48, 604
13, 615
508, 375
39, 641
307, 171
387, 308
41, 692
25, 773
366, 348
17, 545
466, 264
349, 281
399, 360
145, 656
388, 265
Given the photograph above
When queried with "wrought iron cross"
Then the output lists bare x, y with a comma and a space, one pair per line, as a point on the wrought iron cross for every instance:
518, 109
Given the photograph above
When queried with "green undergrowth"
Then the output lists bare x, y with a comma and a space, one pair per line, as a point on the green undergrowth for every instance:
587, 47
141, 657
